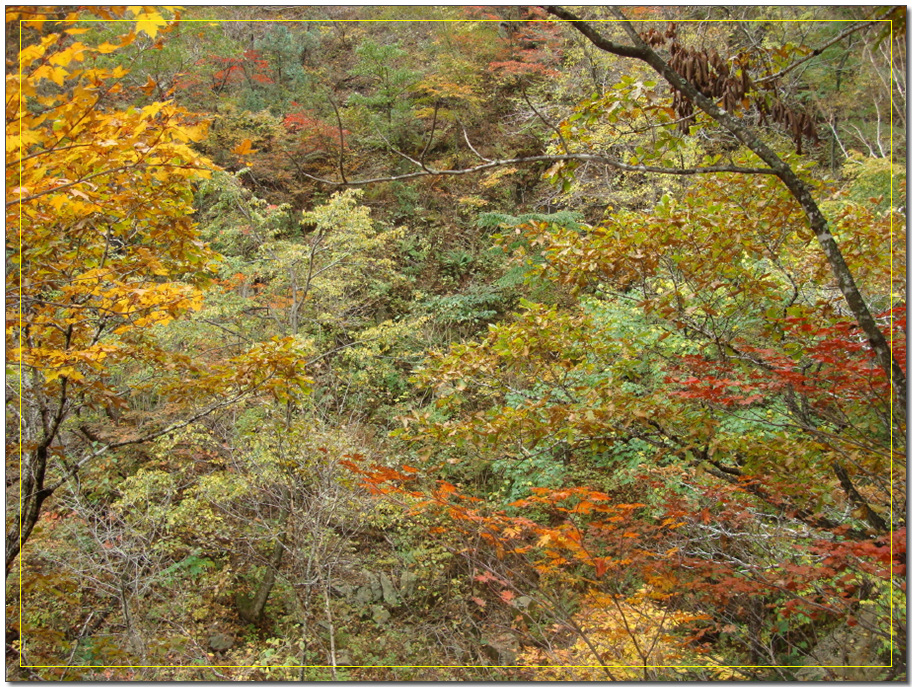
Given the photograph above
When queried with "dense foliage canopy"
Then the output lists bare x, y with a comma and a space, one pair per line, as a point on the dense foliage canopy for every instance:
483, 343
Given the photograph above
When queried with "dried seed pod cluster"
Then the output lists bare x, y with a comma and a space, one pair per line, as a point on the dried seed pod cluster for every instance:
729, 84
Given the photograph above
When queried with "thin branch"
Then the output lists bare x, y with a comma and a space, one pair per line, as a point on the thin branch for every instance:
817, 51
837, 139
225, 329
149, 437
877, 138
48, 151
84, 180
123, 168
341, 139
313, 361
431, 135
546, 122
785, 506
465, 135
420, 164
579, 157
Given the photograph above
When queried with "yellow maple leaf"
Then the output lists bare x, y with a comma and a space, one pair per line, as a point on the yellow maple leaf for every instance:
71, 373
148, 22
74, 53
55, 74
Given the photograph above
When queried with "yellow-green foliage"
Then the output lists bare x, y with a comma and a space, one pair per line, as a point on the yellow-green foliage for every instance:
874, 179
233, 126
378, 360
352, 257
333, 277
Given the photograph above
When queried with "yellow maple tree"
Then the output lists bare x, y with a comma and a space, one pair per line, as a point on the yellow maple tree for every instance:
101, 247
635, 637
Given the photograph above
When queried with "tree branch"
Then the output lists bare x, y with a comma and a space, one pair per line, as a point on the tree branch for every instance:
465, 135
341, 139
579, 157
816, 51
430, 135
546, 122
123, 168
225, 329
797, 187
148, 437
873, 519
26, 199
595, 37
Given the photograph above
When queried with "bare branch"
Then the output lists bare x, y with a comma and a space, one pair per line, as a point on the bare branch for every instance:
578, 157
341, 138
547, 123
430, 135
465, 135
225, 329
417, 163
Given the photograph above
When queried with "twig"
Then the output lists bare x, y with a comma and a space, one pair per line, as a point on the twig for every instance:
431, 135
225, 329
547, 123
465, 135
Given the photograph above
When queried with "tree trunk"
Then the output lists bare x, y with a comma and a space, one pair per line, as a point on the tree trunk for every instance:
251, 610
32, 496
799, 190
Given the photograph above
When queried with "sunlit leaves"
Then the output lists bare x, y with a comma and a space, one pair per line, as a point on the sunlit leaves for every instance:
625, 638
243, 148
105, 257
148, 20
101, 206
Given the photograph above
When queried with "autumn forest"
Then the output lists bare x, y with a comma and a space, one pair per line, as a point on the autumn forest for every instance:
455, 343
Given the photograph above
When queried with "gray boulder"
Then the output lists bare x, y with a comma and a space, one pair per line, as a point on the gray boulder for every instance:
389, 592
407, 582
220, 642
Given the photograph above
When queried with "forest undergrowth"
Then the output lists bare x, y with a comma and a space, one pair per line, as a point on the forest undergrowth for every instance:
456, 343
